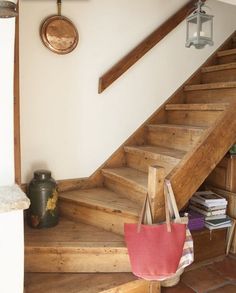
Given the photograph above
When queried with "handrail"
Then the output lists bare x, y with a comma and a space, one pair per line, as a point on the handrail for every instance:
147, 44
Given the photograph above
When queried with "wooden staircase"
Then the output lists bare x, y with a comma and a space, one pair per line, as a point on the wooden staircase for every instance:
182, 141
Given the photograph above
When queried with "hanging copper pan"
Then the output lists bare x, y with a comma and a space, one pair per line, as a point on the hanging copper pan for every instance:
58, 33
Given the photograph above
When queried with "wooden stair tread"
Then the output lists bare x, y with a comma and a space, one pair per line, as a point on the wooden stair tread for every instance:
209, 86
197, 107
129, 176
177, 126
154, 151
70, 234
83, 283
104, 199
219, 67
226, 52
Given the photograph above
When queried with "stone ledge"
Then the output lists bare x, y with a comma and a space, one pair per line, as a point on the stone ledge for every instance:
12, 198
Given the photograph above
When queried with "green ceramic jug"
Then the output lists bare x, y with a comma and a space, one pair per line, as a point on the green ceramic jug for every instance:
42, 192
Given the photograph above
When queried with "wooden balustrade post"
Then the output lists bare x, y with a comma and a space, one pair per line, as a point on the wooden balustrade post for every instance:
156, 176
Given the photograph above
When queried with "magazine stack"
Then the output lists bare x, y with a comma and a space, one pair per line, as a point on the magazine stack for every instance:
213, 207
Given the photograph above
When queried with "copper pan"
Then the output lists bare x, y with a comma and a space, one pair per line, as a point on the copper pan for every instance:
58, 33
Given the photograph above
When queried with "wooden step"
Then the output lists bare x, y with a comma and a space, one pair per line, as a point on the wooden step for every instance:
219, 73
219, 92
86, 283
226, 56
210, 86
194, 114
99, 207
197, 107
141, 157
182, 137
129, 182
74, 247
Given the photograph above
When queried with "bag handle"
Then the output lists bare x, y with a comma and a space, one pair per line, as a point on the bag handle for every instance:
172, 199
146, 213
170, 204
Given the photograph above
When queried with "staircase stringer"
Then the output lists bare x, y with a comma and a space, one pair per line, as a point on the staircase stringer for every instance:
191, 172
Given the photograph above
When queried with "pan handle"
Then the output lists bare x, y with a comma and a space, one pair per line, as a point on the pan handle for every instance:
59, 7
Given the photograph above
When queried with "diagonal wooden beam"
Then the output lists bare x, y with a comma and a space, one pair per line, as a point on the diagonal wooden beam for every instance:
147, 44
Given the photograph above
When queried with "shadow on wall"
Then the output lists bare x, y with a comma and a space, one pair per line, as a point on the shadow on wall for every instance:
38, 165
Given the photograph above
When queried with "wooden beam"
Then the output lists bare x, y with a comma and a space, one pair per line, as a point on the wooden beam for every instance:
140, 50
156, 176
17, 151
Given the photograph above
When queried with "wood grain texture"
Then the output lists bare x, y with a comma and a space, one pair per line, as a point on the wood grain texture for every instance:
197, 107
156, 176
86, 283
140, 50
210, 86
74, 247
99, 207
226, 75
198, 164
182, 137
142, 157
194, 118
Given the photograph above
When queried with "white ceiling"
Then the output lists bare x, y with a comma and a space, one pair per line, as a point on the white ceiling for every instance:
229, 1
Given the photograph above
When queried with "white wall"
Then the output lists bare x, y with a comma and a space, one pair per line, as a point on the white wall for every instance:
66, 125
7, 34
11, 223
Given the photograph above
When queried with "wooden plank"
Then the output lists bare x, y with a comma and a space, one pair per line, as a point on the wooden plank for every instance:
227, 75
226, 52
217, 85
17, 148
191, 172
221, 67
211, 96
136, 179
86, 283
141, 158
182, 137
102, 199
140, 50
223, 176
74, 247
195, 118
197, 107
156, 176
113, 222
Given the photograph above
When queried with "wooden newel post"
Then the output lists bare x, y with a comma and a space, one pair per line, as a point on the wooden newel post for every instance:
156, 176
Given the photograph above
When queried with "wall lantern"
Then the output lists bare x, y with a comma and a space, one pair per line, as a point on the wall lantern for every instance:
8, 9
199, 28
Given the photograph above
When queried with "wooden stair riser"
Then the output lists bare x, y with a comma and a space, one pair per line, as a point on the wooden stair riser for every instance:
76, 260
87, 283
219, 76
226, 59
211, 96
142, 162
195, 118
128, 190
174, 137
111, 221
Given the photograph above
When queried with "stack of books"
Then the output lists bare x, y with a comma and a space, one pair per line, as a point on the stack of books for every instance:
213, 207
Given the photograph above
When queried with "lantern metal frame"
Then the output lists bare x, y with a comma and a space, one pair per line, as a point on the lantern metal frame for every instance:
198, 17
